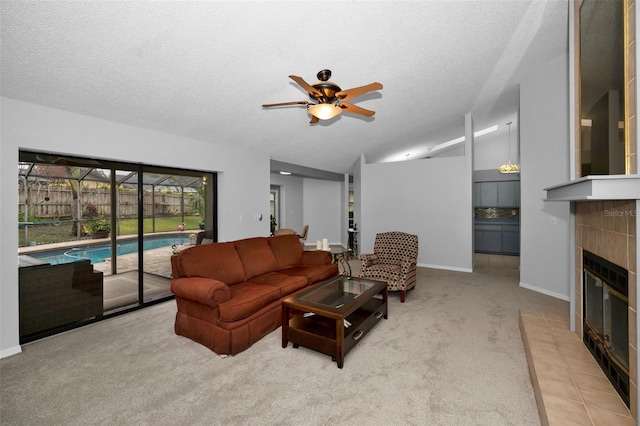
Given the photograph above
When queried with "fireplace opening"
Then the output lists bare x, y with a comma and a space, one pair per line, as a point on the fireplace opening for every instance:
606, 325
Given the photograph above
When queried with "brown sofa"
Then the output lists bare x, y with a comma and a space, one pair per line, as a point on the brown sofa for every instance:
229, 294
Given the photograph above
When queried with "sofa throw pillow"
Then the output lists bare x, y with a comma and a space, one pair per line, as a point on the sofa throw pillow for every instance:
218, 260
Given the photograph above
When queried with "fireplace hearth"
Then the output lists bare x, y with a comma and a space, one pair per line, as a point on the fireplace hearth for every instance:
606, 311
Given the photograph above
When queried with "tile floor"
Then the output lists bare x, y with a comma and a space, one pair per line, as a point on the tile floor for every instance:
569, 385
497, 261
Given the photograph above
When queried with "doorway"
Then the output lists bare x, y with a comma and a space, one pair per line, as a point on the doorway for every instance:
274, 207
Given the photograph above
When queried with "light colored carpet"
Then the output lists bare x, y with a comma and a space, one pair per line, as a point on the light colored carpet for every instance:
451, 355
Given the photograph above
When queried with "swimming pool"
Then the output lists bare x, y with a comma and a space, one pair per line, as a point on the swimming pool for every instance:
99, 252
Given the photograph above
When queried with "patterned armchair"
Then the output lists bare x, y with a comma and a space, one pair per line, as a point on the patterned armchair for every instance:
394, 259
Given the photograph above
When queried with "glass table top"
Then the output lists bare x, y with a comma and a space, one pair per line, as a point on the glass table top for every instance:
338, 250
338, 292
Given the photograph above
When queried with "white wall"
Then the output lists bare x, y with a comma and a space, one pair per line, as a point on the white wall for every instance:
323, 207
431, 198
243, 180
544, 136
492, 150
319, 203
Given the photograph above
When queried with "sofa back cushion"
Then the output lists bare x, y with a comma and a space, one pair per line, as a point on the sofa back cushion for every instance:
218, 260
287, 250
257, 257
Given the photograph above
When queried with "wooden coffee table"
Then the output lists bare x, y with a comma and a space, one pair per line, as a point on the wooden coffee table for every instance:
331, 317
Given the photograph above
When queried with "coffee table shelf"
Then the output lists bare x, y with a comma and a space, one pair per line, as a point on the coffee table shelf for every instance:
325, 330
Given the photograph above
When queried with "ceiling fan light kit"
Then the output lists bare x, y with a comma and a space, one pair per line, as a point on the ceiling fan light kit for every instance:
324, 111
327, 98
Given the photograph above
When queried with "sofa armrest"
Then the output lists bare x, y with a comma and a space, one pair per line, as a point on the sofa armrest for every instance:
367, 260
175, 269
206, 291
317, 257
407, 263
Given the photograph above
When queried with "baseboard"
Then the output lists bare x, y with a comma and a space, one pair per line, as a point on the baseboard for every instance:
547, 292
11, 351
447, 268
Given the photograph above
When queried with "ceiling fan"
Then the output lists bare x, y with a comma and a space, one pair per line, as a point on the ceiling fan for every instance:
327, 98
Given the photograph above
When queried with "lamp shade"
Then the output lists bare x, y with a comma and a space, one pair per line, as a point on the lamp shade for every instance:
324, 111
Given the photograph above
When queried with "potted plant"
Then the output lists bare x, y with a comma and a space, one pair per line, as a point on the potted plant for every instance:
100, 229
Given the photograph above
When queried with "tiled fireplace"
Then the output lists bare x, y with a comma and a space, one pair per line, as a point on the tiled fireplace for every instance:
607, 229
571, 387
606, 318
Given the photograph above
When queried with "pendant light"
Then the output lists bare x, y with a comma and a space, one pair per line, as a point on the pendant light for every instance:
509, 167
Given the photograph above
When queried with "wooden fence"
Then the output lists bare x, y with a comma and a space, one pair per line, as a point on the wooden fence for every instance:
56, 203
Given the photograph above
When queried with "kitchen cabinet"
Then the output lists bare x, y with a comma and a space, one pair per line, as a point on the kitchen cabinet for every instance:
509, 193
497, 237
511, 239
497, 194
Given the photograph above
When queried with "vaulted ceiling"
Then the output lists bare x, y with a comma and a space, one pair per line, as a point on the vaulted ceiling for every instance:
203, 69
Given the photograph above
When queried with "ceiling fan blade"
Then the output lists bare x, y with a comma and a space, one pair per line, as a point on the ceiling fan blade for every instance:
356, 109
285, 104
358, 91
306, 86
314, 119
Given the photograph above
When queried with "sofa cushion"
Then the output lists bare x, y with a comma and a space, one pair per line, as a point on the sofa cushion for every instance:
313, 273
217, 260
287, 250
247, 299
286, 283
256, 256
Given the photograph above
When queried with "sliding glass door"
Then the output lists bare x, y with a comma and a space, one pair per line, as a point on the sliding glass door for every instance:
118, 222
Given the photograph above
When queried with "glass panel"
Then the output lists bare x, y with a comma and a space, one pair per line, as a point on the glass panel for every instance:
606, 313
602, 83
120, 265
337, 292
174, 207
617, 326
593, 304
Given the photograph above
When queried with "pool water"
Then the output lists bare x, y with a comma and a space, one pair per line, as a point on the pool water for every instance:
99, 252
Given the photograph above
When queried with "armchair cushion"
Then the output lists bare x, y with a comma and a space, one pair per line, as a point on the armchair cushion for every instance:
385, 272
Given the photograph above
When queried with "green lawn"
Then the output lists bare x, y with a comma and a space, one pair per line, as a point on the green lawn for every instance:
163, 224
61, 232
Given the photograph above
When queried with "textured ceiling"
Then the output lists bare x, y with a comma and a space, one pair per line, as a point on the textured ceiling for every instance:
203, 69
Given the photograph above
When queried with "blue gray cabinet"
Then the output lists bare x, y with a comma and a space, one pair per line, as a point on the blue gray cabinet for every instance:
510, 239
498, 233
497, 237
497, 194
